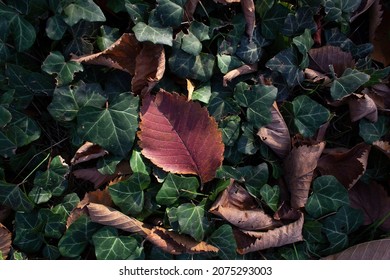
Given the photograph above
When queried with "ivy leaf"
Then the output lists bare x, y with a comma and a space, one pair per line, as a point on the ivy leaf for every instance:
170, 12
23, 32
176, 187
250, 51
55, 64
200, 30
192, 220
254, 177
114, 127
350, 81
156, 35
107, 38
5, 116
138, 10
273, 21
110, 246
328, 196
83, 10
295, 24
224, 240
230, 127
28, 237
56, 27
270, 195
371, 132
227, 63
202, 93
308, 115
137, 163
191, 44
12, 196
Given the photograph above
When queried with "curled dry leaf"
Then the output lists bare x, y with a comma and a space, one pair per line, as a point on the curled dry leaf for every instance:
190, 89
276, 134
372, 250
321, 58
179, 136
239, 208
347, 166
373, 200
299, 168
189, 9
285, 212
379, 34
242, 70
383, 146
316, 76
250, 241
380, 94
248, 8
5, 241
86, 152
360, 106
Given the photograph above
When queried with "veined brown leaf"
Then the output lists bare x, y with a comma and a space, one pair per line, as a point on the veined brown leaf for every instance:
5, 241
242, 70
86, 152
372, 250
179, 136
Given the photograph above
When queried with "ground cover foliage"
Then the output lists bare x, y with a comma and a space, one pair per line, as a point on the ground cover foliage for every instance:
176, 129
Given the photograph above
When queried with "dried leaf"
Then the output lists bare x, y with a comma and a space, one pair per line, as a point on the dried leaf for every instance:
120, 55
364, 6
299, 168
242, 70
372, 250
189, 9
149, 68
381, 39
179, 136
347, 166
285, 212
375, 19
316, 76
383, 146
87, 152
5, 241
250, 241
248, 8
174, 243
190, 89
276, 134
239, 208
321, 58
110, 217
360, 106
380, 94
373, 200
5, 211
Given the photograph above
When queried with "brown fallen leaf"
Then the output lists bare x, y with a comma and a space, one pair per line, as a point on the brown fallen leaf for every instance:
372, 250
248, 8
190, 89
316, 76
347, 166
364, 6
189, 9
360, 106
250, 241
242, 70
383, 146
86, 152
5, 211
5, 241
285, 212
299, 169
379, 35
380, 94
276, 134
373, 200
240, 209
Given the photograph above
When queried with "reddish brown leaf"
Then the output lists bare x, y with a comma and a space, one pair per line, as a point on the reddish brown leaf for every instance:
321, 58
299, 168
189, 9
373, 200
380, 93
276, 134
383, 146
372, 250
285, 212
360, 106
381, 38
316, 76
179, 136
149, 68
120, 55
250, 241
174, 243
248, 8
242, 70
5, 241
87, 152
375, 18
239, 208
347, 166
5, 211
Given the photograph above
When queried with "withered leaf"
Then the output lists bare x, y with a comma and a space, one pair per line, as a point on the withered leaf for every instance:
250, 241
347, 166
363, 7
383, 146
380, 38
179, 136
380, 93
239, 208
360, 106
276, 134
120, 55
316, 76
189, 9
248, 8
5, 211
285, 212
299, 168
5, 241
86, 152
242, 70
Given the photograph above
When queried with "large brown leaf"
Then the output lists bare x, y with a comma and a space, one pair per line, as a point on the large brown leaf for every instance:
380, 93
372, 250
179, 136
239, 208
250, 241
347, 166
242, 70
360, 106
379, 33
5, 241
276, 134
299, 169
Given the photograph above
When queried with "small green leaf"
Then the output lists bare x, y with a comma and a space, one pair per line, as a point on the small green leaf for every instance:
28, 237
254, 178
250, 51
308, 115
248, 143
55, 64
107, 37
295, 24
12, 196
273, 20
56, 27
202, 93
270, 196
191, 44
350, 81
107, 165
224, 240
230, 127
227, 63
170, 12
156, 35
200, 30
304, 41
55, 225
192, 220
50, 252
114, 127
176, 187
110, 246
137, 9
5, 116
371, 132
203, 67
221, 102
83, 10
137, 163
69, 202
328, 196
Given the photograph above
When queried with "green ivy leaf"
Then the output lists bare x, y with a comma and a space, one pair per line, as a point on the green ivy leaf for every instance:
55, 64
200, 30
227, 63
5, 116
156, 35
191, 44
230, 127
28, 237
250, 51
77, 237
328, 196
223, 239
221, 102
12, 196
254, 177
170, 12
350, 81
137, 9
82, 10
110, 246
304, 42
270, 195
308, 115
107, 37
56, 27
371, 132
114, 127
69, 202
176, 187
202, 93
273, 21
50, 252
55, 225
295, 24
248, 143
192, 220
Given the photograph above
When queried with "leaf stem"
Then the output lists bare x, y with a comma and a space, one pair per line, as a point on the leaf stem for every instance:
35, 169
